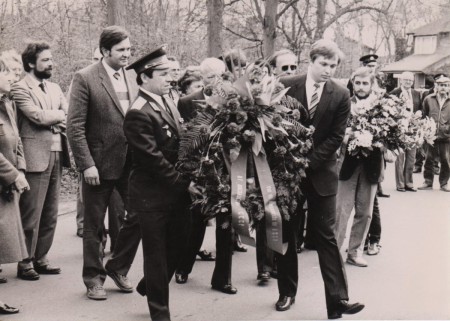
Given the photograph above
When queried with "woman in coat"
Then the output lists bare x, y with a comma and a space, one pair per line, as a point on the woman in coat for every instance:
12, 182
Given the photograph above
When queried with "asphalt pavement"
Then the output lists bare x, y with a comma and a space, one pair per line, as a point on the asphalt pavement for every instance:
409, 279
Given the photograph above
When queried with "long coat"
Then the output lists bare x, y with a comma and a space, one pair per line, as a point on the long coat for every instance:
12, 239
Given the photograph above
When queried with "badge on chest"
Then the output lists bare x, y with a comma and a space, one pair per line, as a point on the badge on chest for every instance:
168, 132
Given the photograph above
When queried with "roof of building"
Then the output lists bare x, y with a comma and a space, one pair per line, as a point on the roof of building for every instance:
432, 28
428, 64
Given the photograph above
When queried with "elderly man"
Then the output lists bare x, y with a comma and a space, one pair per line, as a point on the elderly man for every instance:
437, 107
284, 63
404, 165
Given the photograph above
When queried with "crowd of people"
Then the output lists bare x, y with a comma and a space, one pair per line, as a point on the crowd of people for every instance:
123, 123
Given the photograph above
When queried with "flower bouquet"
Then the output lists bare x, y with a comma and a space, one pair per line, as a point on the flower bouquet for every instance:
246, 149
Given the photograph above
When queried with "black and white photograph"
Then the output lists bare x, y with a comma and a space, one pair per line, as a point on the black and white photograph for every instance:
224, 160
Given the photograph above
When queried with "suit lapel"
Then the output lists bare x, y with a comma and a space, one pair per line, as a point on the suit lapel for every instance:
301, 92
161, 110
109, 87
324, 102
37, 92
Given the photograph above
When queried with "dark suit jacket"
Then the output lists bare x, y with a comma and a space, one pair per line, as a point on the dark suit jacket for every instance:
330, 122
417, 99
95, 121
154, 138
35, 121
373, 166
186, 104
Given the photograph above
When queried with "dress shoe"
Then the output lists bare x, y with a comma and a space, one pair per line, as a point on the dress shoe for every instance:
240, 248
141, 289
227, 288
46, 269
28, 274
80, 232
445, 188
425, 187
284, 303
96, 292
263, 276
310, 246
373, 249
299, 250
417, 170
343, 307
381, 194
181, 278
356, 261
6, 309
122, 282
206, 256
273, 274
410, 189
400, 189
3, 280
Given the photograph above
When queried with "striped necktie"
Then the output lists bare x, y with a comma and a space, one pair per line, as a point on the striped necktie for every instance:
314, 101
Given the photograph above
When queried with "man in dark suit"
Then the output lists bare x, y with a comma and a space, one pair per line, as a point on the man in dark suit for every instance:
328, 105
404, 165
100, 97
158, 192
358, 179
42, 110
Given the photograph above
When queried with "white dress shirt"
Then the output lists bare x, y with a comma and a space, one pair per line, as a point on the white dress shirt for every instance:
309, 85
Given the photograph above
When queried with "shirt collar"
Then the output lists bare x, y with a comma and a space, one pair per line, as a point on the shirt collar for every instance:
157, 98
310, 81
36, 81
110, 70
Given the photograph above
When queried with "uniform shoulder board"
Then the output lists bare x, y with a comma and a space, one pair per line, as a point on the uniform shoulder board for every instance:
139, 103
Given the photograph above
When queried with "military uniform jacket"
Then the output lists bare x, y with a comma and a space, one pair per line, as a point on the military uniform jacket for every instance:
153, 136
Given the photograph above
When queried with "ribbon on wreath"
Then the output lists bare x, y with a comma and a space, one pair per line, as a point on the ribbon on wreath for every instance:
240, 218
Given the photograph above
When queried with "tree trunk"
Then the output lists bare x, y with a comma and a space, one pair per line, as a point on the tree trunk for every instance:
116, 9
215, 20
320, 16
269, 27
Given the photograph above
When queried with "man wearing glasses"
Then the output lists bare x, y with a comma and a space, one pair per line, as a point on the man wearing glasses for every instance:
437, 106
284, 63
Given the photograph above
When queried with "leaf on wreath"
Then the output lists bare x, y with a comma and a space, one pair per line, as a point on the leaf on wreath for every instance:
196, 137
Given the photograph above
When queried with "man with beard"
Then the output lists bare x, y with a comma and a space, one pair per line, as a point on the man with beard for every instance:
358, 178
328, 106
100, 96
42, 112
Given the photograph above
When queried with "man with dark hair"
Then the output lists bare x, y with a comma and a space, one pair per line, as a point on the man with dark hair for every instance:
158, 192
42, 112
235, 61
284, 63
100, 96
328, 105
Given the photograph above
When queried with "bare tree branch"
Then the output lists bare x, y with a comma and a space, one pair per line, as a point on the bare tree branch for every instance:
242, 36
286, 7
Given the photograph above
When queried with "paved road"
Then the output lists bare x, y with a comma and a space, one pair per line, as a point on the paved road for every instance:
410, 279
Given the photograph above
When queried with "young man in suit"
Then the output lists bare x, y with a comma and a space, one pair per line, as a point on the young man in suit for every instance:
329, 106
358, 179
42, 112
404, 165
100, 96
158, 192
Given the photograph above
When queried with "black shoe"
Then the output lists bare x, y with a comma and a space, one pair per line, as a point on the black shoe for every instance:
28, 274
141, 289
46, 269
263, 276
274, 274
284, 303
206, 256
400, 189
417, 170
299, 249
343, 307
240, 248
410, 189
381, 194
227, 288
310, 246
6, 309
181, 278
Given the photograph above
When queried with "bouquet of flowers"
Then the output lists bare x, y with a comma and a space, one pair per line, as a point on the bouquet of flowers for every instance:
386, 123
246, 149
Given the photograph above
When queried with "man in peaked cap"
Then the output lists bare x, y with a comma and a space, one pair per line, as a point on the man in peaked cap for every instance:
158, 193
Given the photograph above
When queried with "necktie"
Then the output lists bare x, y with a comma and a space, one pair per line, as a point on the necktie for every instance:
314, 101
42, 86
116, 75
166, 106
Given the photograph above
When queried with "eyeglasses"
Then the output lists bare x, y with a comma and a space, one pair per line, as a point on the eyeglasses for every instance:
444, 85
287, 67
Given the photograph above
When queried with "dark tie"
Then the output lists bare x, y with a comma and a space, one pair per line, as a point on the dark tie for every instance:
42, 86
116, 75
166, 106
314, 101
